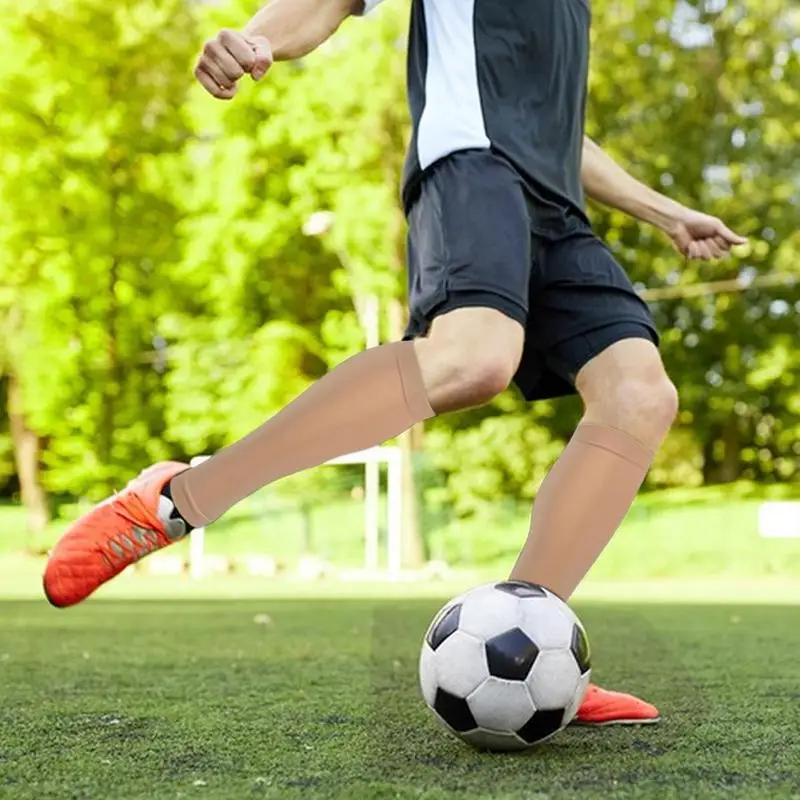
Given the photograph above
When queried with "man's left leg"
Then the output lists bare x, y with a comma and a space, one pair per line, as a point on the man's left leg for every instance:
629, 406
589, 332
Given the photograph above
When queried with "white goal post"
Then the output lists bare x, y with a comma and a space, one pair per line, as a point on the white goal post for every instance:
371, 459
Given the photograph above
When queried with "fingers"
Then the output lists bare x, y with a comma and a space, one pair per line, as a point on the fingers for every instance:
263, 58
230, 65
698, 251
720, 245
211, 84
713, 241
238, 48
728, 235
221, 65
714, 248
703, 250
226, 58
217, 70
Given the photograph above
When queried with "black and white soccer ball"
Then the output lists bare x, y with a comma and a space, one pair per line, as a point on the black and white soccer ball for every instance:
505, 666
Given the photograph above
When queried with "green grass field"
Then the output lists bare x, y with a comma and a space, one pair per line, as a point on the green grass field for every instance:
238, 687
318, 699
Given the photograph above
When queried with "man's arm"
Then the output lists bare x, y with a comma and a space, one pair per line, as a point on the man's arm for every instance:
606, 182
296, 28
281, 31
693, 234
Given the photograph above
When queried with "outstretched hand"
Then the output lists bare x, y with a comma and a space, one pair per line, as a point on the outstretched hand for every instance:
227, 57
701, 236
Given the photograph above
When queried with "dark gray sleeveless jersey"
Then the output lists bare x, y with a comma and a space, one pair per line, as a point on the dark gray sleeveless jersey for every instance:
506, 75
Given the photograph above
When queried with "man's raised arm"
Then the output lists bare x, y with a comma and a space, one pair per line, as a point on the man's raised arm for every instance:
693, 234
281, 31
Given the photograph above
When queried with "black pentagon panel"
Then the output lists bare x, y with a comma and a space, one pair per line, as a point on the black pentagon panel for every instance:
521, 589
445, 626
511, 655
541, 725
580, 649
454, 711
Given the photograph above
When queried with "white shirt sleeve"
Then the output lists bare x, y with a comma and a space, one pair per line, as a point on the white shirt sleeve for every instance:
369, 5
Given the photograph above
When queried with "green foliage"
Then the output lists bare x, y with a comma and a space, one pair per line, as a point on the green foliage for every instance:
504, 455
159, 297
266, 308
91, 119
704, 105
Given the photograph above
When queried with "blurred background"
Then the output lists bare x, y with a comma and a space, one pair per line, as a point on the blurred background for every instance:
174, 269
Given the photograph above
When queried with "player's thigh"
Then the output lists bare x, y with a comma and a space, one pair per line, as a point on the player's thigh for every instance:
469, 248
478, 339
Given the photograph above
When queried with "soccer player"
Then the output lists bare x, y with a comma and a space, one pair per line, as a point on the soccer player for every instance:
507, 283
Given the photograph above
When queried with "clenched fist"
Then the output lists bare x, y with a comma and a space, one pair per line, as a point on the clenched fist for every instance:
229, 56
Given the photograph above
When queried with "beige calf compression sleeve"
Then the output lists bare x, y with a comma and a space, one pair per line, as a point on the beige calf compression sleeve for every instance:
580, 505
366, 400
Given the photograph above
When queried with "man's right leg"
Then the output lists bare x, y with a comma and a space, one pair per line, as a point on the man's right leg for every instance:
470, 355
469, 270
374, 396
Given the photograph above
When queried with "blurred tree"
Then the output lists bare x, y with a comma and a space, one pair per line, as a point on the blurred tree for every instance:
158, 295
244, 336
702, 100
90, 119
295, 207
7, 466
368, 121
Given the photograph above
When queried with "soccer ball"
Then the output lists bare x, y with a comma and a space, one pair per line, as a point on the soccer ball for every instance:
505, 666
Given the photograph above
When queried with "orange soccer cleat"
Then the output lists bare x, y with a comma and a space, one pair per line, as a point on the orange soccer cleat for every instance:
112, 536
602, 707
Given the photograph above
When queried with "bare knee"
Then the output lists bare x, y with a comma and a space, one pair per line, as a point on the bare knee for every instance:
643, 406
472, 379
470, 356
630, 390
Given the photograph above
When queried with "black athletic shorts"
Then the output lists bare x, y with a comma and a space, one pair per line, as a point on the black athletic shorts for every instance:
477, 237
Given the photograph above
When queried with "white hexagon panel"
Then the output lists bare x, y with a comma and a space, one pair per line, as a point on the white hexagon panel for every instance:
427, 673
577, 699
501, 705
486, 612
553, 680
460, 664
548, 622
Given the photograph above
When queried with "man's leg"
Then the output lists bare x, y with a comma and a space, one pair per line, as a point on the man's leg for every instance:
630, 404
589, 332
469, 266
368, 399
470, 356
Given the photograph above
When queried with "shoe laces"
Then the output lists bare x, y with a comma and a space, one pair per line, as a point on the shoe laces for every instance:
124, 541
